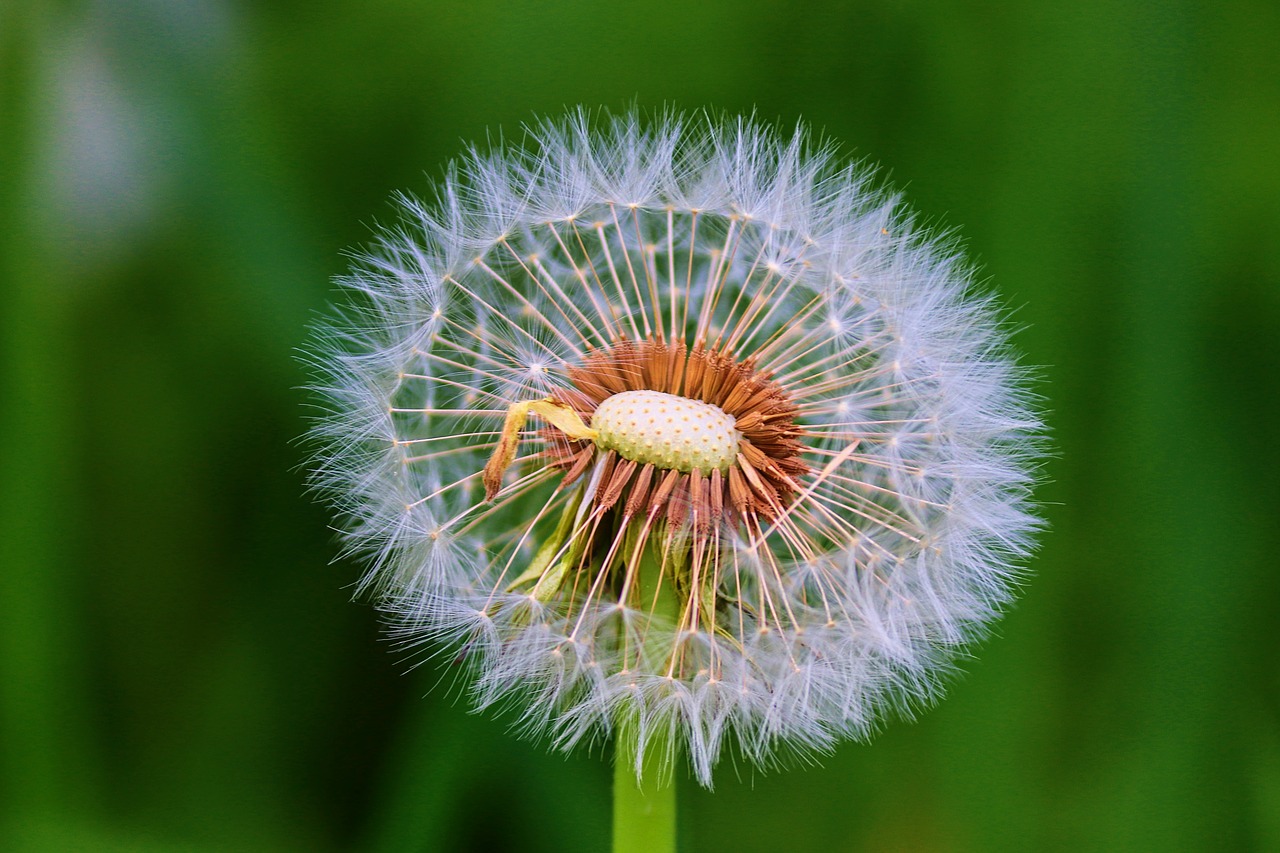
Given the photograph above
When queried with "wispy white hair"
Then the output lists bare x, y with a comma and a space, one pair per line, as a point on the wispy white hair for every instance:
906, 532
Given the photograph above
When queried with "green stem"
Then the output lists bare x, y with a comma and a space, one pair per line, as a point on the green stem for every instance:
644, 812
644, 809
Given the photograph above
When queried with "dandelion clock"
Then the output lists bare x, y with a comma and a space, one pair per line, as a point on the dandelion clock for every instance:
680, 434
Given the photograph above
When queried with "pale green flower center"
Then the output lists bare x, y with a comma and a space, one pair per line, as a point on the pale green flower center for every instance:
667, 431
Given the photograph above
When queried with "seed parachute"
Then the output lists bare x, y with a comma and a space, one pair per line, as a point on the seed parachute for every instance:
678, 432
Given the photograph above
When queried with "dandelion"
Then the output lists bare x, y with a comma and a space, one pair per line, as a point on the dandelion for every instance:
683, 434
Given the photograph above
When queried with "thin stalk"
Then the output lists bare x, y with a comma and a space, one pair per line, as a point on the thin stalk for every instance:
644, 812
644, 809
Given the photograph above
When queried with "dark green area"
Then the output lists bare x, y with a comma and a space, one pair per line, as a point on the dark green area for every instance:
180, 666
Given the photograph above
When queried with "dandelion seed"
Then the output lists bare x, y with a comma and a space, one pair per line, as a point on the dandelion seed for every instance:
681, 433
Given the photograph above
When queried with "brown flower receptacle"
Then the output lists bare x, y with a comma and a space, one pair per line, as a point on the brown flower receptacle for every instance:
762, 479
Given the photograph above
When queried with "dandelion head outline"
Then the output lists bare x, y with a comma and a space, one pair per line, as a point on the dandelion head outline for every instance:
678, 431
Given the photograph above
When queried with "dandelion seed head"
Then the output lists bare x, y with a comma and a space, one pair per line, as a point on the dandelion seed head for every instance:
679, 431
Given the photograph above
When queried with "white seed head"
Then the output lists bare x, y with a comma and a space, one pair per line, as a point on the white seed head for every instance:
680, 429
667, 431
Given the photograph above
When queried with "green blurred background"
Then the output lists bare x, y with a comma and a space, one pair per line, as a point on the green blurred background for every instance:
181, 667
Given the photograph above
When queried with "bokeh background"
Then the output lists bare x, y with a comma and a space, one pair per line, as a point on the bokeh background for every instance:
181, 668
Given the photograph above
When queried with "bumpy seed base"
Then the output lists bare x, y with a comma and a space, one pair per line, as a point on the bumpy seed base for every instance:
667, 431
755, 419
